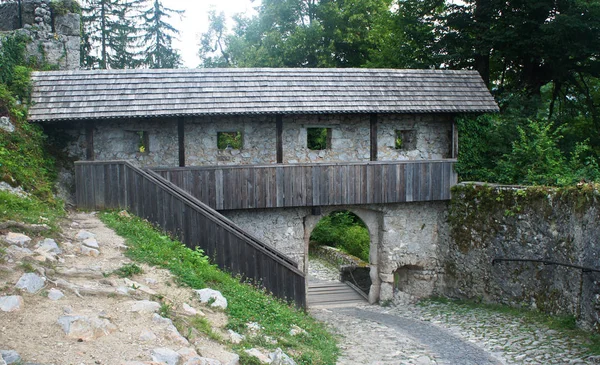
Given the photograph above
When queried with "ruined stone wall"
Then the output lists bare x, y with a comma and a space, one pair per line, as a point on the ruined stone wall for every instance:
350, 139
404, 238
53, 39
536, 223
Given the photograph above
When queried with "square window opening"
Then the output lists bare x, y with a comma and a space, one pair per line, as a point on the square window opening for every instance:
406, 140
230, 140
318, 138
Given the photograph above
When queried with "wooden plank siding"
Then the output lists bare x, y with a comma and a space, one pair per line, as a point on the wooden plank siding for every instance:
120, 185
307, 185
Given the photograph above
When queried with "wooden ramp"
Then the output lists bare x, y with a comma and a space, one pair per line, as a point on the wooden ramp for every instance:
333, 294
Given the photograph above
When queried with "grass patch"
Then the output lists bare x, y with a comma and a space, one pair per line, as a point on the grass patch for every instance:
564, 324
30, 210
246, 302
128, 270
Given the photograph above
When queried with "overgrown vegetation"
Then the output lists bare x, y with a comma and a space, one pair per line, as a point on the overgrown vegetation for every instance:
128, 270
344, 230
566, 325
62, 7
24, 161
246, 302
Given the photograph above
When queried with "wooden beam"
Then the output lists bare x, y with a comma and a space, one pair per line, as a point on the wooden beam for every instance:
373, 137
279, 127
181, 139
89, 141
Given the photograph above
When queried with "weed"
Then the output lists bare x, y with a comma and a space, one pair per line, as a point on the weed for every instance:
128, 270
27, 266
203, 325
165, 310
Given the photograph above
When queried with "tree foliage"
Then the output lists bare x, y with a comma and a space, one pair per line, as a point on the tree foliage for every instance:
122, 34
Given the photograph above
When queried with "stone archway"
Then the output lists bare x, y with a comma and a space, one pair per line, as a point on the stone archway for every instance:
372, 220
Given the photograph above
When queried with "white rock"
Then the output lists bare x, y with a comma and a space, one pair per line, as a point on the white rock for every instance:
91, 243
175, 336
10, 357
151, 281
55, 294
259, 355
189, 310
235, 337
157, 318
166, 356
89, 251
207, 295
31, 282
144, 306
295, 331
137, 286
48, 245
187, 353
86, 328
11, 303
84, 235
123, 290
6, 124
17, 239
278, 357
147, 335
254, 327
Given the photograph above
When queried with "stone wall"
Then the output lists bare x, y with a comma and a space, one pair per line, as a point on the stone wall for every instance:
53, 39
402, 236
535, 223
350, 139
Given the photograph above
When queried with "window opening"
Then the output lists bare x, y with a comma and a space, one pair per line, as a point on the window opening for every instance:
229, 140
318, 138
406, 140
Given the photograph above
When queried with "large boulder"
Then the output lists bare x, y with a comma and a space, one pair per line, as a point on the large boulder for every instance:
216, 299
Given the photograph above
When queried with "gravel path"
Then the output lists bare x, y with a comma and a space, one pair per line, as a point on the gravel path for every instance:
438, 333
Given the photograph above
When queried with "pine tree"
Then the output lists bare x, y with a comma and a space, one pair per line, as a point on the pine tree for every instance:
109, 33
158, 37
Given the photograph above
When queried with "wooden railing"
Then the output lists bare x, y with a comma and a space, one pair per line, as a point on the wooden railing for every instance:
302, 185
120, 185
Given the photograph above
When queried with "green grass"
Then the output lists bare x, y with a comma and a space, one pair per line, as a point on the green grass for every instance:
128, 270
246, 302
564, 324
30, 210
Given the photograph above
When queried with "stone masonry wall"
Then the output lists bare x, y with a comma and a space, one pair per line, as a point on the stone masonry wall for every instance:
350, 139
402, 236
536, 223
53, 39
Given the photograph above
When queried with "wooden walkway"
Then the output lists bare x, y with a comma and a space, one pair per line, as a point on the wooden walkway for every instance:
333, 295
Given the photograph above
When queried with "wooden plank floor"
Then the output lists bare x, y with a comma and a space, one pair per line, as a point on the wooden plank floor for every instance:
333, 294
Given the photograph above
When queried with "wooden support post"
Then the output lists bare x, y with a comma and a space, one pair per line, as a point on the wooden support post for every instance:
373, 137
181, 139
89, 141
279, 127
454, 139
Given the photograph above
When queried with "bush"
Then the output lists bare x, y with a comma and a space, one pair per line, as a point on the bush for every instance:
356, 242
344, 230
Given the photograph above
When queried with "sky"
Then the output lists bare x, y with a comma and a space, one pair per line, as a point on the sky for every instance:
195, 22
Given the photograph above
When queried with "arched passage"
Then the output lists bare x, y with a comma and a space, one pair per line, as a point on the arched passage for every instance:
372, 220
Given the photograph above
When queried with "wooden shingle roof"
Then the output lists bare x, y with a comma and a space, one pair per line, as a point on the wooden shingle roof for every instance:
101, 94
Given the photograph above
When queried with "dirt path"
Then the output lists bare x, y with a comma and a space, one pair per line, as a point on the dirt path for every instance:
103, 319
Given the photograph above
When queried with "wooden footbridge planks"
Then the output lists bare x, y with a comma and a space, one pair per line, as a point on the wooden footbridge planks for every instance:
333, 295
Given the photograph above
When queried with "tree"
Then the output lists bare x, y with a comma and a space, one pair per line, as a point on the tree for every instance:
158, 37
212, 43
109, 33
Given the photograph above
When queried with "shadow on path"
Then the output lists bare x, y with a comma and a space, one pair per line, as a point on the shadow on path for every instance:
450, 349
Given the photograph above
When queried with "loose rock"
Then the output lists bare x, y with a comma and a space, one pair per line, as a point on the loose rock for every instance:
31, 282
10, 357
11, 303
17, 239
85, 328
278, 357
6, 125
144, 306
91, 243
166, 356
89, 251
190, 311
235, 337
207, 295
84, 235
147, 335
259, 355
49, 245
55, 294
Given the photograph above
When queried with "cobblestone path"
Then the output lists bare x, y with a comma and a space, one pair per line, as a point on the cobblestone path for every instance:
439, 333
